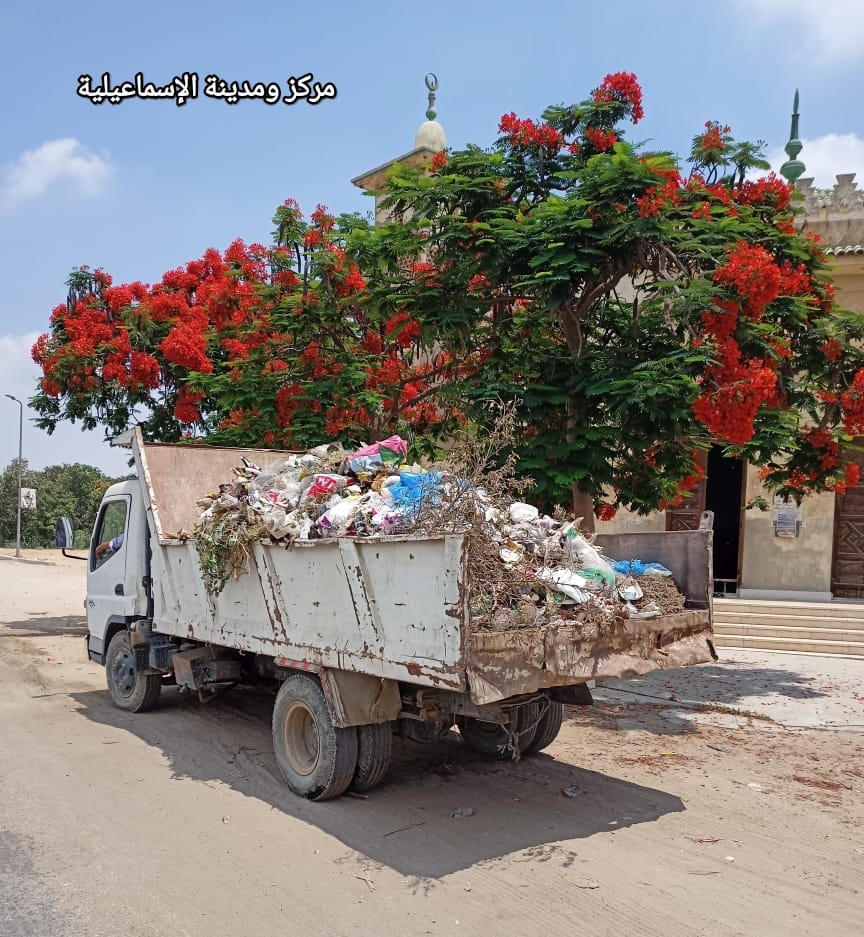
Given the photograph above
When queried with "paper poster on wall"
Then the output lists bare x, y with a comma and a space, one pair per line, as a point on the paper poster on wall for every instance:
788, 517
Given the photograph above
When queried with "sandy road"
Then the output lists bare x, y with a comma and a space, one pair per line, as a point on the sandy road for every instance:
175, 822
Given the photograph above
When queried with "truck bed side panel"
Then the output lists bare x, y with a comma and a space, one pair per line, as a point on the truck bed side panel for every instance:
391, 608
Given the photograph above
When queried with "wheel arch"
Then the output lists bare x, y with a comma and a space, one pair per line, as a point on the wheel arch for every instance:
97, 647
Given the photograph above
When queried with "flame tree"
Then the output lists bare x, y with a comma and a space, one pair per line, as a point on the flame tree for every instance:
275, 346
635, 309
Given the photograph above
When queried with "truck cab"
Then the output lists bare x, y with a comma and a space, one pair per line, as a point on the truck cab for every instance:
116, 573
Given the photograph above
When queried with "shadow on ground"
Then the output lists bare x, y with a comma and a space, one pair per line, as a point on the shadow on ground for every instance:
50, 626
654, 701
716, 683
406, 822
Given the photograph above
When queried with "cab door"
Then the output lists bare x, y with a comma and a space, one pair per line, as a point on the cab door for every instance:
106, 575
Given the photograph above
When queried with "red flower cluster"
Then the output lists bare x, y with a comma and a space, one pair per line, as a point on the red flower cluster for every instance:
729, 410
341, 418
287, 402
752, 273
852, 478
605, 511
624, 88
186, 345
529, 133
712, 142
323, 221
144, 370
403, 329
852, 404
439, 161
795, 281
770, 191
733, 390
601, 140
657, 198
831, 348
186, 406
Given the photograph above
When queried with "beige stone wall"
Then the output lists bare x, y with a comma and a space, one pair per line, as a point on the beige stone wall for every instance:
848, 275
797, 568
627, 522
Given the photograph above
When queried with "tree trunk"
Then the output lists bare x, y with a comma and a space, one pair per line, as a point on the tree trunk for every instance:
583, 506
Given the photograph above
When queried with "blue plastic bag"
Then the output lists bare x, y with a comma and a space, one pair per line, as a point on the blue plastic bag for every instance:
638, 568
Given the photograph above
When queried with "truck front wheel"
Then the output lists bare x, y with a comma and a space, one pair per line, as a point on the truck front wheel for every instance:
128, 689
316, 759
502, 743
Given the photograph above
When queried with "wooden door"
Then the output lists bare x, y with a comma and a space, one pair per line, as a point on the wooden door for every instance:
687, 515
847, 568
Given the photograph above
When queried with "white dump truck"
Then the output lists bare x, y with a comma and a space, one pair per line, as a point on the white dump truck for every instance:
364, 637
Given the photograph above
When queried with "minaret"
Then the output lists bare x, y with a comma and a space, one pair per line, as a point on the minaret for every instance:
428, 141
792, 169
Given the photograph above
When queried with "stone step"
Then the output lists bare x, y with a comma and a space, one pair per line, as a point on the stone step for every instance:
774, 607
724, 617
802, 631
797, 645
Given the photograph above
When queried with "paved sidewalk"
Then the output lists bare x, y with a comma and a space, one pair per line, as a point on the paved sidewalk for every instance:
794, 691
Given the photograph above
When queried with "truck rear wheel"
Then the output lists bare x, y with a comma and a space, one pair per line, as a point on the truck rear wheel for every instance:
491, 740
316, 759
135, 692
547, 728
374, 747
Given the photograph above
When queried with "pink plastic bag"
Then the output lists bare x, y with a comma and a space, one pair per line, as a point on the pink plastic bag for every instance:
394, 444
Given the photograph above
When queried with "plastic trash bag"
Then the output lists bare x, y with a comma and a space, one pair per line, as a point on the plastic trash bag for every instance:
638, 568
566, 581
522, 513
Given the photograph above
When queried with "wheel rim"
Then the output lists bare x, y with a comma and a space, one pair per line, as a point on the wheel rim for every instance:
300, 738
490, 729
123, 672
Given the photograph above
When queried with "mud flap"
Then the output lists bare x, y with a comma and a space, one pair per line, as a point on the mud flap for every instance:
358, 699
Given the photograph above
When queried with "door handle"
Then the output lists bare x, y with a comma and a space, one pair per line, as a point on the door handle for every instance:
118, 589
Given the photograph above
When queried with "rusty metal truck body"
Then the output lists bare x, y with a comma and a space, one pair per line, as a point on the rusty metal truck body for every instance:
380, 627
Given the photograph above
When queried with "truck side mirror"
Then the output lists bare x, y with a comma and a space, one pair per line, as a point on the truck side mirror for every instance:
65, 536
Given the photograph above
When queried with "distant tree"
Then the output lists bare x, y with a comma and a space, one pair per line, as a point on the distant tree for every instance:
73, 490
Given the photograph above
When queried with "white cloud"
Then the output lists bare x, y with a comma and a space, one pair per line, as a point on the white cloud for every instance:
68, 444
66, 160
831, 30
826, 157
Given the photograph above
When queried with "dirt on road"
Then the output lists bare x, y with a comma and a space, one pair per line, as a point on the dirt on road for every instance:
176, 822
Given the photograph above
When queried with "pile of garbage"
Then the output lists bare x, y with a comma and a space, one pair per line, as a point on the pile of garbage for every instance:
527, 569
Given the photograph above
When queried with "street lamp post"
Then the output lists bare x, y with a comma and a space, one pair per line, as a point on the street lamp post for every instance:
20, 441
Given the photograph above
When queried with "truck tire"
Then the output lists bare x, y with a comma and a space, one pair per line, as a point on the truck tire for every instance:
490, 740
547, 728
374, 747
316, 759
135, 692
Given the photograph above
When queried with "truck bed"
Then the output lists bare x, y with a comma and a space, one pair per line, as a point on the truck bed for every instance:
397, 606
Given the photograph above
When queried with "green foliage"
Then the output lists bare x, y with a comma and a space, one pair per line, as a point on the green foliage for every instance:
72, 490
591, 278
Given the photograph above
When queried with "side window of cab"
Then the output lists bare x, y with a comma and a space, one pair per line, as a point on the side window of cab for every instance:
110, 530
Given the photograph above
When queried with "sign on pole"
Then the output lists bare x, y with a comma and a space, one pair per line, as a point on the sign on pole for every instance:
28, 499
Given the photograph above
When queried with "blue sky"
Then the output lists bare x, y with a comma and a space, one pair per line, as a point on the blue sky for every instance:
144, 186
